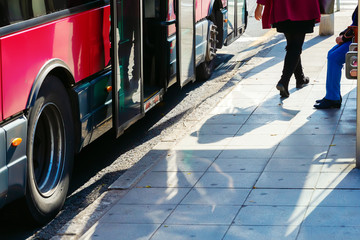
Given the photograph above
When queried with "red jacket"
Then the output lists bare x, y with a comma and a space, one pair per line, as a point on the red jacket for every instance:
294, 10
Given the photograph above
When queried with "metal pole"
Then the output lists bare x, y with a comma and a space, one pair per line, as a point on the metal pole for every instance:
358, 110
337, 5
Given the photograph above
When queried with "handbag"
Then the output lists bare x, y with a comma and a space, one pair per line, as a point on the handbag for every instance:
350, 34
326, 6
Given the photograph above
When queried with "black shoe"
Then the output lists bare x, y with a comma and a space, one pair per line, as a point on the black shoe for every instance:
326, 103
320, 100
283, 91
303, 82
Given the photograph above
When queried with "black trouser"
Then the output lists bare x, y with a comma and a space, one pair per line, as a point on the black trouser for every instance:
292, 62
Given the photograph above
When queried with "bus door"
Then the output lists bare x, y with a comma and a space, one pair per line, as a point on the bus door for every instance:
237, 17
185, 40
126, 54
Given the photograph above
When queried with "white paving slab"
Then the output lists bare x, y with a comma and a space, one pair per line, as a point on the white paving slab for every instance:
281, 197
262, 233
247, 152
287, 180
239, 165
332, 216
193, 153
307, 140
266, 140
329, 233
260, 129
335, 197
138, 214
227, 119
216, 196
233, 110
228, 180
270, 215
311, 152
216, 129
196, 232
341, 151
340, 180
121, 231
305, 165
186, 164
154, 196
170, 179
346, 140
204, 140
203, 214
338, 165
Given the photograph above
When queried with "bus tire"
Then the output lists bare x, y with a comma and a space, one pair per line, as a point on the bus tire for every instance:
50, 151
204, 70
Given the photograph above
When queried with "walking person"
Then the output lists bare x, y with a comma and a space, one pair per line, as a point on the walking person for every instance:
294, 18
336, 60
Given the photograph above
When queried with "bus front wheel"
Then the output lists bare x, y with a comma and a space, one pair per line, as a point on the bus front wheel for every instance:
206, 68
50, 151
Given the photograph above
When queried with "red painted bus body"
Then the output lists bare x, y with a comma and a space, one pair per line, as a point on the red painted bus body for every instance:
80, 41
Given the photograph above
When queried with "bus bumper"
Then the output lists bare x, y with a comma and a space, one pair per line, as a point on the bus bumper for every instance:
13, 160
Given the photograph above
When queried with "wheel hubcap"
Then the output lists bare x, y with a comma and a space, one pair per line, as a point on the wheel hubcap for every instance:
48, 149
211, 48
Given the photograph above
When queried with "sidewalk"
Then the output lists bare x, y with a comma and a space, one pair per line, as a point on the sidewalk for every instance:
256, 167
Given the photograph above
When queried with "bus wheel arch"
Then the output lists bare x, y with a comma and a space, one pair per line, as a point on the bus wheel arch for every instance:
58, 68
55, 67
50, 150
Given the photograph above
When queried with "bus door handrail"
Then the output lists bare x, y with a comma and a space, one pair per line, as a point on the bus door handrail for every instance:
168, 23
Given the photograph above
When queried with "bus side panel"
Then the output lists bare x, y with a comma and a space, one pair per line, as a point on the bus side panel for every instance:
205, 8
4, 182
99, 38
201, 40
16, 158
198, 9
68, 39
1, 99
95, 107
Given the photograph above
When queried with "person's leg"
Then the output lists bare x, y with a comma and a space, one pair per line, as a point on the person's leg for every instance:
293, 51
301, 80
329, 53
299, 74
336, 60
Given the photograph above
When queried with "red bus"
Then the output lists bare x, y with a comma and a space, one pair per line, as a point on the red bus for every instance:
72, 70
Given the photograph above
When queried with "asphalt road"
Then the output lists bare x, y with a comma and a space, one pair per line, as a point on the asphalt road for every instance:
104, 161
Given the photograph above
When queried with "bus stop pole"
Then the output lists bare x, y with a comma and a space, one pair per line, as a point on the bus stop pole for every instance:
358, 110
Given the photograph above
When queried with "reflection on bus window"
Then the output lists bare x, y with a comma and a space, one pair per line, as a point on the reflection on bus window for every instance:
129, 50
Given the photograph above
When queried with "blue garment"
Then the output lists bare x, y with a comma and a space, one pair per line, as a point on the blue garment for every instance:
336, 60
355, 17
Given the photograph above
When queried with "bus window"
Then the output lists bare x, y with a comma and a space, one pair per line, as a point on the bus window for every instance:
39, 8
4, 16
13, 11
